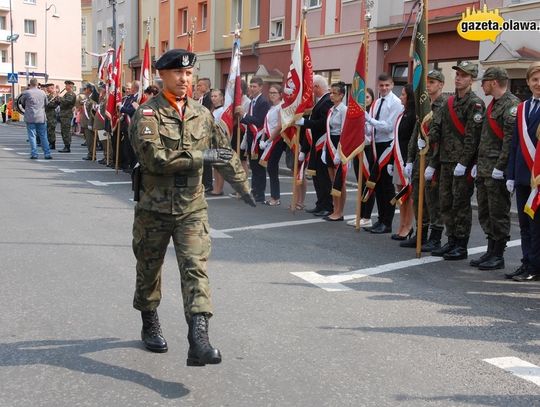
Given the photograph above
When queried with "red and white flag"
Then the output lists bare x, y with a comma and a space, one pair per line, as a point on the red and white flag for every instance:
233, 90
145, 74
298, 89
115, 88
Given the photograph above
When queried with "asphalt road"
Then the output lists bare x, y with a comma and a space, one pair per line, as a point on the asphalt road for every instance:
361, 322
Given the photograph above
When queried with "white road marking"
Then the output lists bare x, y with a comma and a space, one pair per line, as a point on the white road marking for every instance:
8, 149
333, 282
517, 367
106, 184
54, 160
74, 170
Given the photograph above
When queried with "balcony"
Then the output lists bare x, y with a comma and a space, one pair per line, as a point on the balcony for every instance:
4, 5
5, 68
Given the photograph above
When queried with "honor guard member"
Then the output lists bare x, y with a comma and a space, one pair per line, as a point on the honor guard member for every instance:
174, 136
100, 119
87, 118
455, 143
50, 112
67, 102
493, 198
432, 211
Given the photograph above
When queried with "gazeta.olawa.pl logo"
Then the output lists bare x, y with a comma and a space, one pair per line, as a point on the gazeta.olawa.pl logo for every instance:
482, 25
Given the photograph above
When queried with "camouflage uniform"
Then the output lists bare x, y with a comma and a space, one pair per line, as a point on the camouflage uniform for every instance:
451, 148
50, 112
87, 123
99, 124
172, 202
67, 102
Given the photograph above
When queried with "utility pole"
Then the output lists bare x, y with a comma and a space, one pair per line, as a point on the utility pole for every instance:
12, 54
113, 4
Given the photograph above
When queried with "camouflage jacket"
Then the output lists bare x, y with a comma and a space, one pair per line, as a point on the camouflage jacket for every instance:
448, 146
492, 151
87, 114
170, 151
67, 102
413, 152
100, 118
50, 108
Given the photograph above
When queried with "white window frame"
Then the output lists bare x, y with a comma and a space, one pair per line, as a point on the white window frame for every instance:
83, 26
28, 59
236, 14
318, 3
3, 26
34, 26
4, 56
255, 6
203, 11
273, 24
33, 2
184, 21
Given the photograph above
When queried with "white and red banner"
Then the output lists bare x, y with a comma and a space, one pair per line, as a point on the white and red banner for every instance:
145, 74
115, 88
233, 90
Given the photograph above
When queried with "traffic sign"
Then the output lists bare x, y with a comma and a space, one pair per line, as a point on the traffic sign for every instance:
13, 77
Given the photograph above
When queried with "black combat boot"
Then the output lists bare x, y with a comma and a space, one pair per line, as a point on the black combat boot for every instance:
411, 242
459, 252
200, 351
485, 256
496, 260
52, 145
434, 241
450, 245
66, 149
151, 332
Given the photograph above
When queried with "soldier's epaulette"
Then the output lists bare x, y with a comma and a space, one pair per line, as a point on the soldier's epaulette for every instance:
148, 112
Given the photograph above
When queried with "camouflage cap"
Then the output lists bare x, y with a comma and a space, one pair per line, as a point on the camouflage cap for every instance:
176, 59
436, 74
467, 67
68, 82
495, 73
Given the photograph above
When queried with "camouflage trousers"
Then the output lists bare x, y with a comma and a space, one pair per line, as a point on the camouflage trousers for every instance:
152, 232
493, 208
89, 136
431, 215
65, 123
51, 130
455, 199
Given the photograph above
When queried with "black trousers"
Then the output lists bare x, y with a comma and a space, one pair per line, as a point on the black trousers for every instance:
3, 117
529, 230
273, 168
366, 207
384, 190
207, 177
258, 175
128, 159
322, 182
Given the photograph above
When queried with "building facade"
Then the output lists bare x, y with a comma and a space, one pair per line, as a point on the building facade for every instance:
87, 37
148, 29
42, 46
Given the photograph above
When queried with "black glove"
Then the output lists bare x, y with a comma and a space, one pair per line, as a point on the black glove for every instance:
217, 155
248, 198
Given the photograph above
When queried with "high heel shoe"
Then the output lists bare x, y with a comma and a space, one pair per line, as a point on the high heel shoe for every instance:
396, 236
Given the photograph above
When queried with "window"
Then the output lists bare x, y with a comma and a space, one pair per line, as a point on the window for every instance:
83, 26
4, 56
314, 3
30, 27
183, 20
2, 22
122, 30
29, 1
203, 15
83, 57
236, 14
99, 40
276, 29
110, 39
30, 59
254, 18
164, 46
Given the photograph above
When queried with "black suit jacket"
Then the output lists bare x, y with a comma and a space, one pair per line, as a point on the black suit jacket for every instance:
262, 105
317, 120
207, 101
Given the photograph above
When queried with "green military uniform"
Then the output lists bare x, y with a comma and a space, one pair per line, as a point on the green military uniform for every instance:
494, 200
50, 112
67, 102
172, 201
87, 123
450, 150
99, 124
431, 215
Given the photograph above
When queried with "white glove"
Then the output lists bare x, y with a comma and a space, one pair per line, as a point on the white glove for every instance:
497, 174
323, 156
368, 117
301, 156
428, 173
390, 169
337, 159
299, 122
243, 144
510, 186
474, 171
421, 143
263, 144
408, 170
459, 171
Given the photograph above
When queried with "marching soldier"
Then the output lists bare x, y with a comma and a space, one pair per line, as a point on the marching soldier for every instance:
50, 112
455, 142
174, 136
432, 212
493, 197
67, 102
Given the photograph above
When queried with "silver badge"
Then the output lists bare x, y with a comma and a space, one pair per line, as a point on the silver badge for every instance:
147, 131
513, 111
464, 63
185, 60
477, 118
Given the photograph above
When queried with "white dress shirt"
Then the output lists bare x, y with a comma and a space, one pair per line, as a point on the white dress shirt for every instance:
390, 110
337, 119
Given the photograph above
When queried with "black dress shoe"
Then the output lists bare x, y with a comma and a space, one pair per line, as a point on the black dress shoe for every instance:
313, 210
87, 158
528, 276
322, 213
520, 270
329, 219
380, 229
395, 236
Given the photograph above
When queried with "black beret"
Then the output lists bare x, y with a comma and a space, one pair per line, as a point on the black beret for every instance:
48, 84
175, 59
69, 83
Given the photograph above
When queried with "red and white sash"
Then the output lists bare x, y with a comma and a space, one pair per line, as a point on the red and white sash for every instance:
331, 151
398, 158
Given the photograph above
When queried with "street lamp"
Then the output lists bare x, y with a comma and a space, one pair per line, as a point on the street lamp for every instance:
12, 38
55, 15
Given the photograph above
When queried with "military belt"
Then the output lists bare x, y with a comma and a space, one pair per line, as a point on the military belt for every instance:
176, 181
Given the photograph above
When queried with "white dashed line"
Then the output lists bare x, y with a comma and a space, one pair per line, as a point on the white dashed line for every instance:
517, 367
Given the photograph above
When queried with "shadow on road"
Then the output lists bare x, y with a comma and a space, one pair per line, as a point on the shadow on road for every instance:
69, 354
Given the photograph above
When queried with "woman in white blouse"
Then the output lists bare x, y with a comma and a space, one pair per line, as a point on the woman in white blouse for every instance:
334, 125
272, 144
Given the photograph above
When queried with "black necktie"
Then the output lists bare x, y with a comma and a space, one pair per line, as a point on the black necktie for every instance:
534, 107
379, 109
